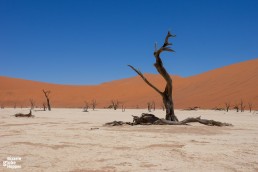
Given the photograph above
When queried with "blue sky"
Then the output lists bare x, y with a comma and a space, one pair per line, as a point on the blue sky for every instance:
90, 41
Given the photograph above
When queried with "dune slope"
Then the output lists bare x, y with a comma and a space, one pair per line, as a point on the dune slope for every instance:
207, 90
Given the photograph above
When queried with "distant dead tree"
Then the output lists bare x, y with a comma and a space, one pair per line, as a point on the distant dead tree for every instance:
2, 105
227, 104
250, 106
153, 106
115, 104
123, 107
14, 106
32, 104
149, 106
93, 104
44, 106
242, 107
86, 106
46, 93
236, 106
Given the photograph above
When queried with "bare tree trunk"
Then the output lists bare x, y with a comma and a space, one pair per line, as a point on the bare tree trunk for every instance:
149, 106
227, 106
250, 105
242, 107
115, 104
32, 104
44, 106
93, 103
46, 93
167, 93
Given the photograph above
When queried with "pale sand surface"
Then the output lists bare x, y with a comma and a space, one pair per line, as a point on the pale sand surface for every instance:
62, 140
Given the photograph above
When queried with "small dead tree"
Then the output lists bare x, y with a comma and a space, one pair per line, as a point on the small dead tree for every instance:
86, 106
32, 104
167, 93
242, 107
250, 106
153, 106
44, 106
227, 104
115, 104
46, 93
236, 107
149, 106
123, 107
14, 106
93, 104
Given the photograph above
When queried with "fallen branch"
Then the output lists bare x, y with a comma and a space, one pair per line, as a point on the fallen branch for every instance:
150, 119
24, 115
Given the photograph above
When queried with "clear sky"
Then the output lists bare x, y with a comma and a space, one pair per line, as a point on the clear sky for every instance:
92, 41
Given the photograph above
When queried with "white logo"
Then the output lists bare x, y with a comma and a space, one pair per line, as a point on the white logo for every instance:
11, 162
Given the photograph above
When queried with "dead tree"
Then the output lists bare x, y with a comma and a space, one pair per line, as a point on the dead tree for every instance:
250, 106
115, 104
242, 107
227, 106
153, 106
167, 93
171, 119
46, 93
44, 106
236, 107
93, 104
123, 107
86, 106
32, 104
149, 106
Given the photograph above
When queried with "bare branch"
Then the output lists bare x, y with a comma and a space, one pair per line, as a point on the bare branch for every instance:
145, 80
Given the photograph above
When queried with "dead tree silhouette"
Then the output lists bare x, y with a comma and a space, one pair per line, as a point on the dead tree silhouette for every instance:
227, 104
46, 93
166, 95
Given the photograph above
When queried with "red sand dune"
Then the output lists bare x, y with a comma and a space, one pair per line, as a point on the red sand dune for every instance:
207, 90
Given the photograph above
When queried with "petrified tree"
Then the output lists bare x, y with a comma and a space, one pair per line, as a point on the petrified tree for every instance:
236, 107
115, 104
250, 105
44, 106
32, 104
149, 106
167, 93
46, 93
171, 119
93, 104
242, 107
86, 106
123, 107
227, 104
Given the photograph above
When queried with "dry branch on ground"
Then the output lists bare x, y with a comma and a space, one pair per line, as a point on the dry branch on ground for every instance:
150, 119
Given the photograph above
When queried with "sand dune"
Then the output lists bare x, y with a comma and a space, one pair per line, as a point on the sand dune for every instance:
208, 90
